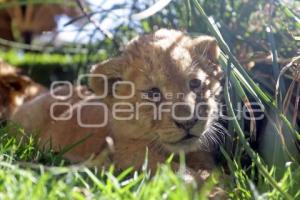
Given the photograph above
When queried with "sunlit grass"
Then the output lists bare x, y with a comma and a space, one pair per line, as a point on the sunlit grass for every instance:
28, 173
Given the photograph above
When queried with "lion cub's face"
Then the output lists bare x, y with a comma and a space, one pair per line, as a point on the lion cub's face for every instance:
163, 89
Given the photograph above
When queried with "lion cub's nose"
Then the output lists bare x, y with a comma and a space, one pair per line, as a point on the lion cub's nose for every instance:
186, 125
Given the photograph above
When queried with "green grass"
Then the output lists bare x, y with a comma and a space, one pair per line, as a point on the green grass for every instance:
28, 173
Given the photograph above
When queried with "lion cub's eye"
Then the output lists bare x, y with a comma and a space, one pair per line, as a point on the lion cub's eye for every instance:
194, 84
153, 94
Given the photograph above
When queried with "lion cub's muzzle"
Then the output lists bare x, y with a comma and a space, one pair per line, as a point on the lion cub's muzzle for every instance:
185, 118
186, 125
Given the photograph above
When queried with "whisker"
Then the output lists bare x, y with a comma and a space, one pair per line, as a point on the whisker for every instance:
213, 137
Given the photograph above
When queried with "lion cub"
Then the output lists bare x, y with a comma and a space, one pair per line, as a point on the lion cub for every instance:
160, 94
15, 89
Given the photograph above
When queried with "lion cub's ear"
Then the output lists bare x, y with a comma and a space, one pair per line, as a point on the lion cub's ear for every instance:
105, 74
207, 47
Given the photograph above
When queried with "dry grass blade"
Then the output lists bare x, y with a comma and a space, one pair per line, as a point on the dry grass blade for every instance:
156, 7
294, 68
287, 104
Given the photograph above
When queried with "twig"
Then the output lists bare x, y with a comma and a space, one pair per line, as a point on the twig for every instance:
94, 22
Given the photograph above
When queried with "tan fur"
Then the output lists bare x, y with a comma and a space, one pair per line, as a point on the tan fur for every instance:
15, 89
166, 59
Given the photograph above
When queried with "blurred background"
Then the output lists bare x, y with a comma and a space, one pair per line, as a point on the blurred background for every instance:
52, 40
